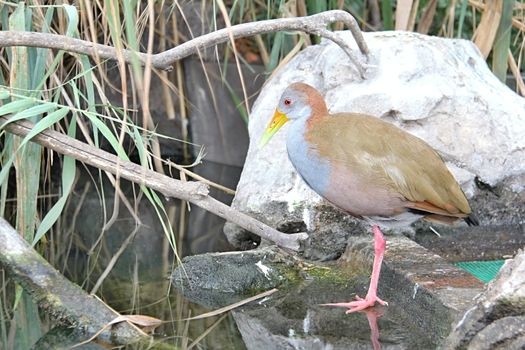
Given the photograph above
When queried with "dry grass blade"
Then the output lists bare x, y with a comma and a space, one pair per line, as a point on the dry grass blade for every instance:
202, 179
488, 27
450, 19
232, 306
301, 10
265, 57
290, 55
427, 18
515, 21
146, 323
403, 10
520, 85
224, 13
413, 15
185, 338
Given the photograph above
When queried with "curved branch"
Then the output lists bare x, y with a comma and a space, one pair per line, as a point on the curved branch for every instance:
315, 24
193, 192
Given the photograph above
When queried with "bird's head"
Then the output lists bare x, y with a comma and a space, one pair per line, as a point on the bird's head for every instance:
298, 101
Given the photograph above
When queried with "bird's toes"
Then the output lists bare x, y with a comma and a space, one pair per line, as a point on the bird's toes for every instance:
359, 304
382, 302
347, 305
357, 308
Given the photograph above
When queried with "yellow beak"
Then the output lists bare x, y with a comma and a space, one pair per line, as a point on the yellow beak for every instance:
278, 120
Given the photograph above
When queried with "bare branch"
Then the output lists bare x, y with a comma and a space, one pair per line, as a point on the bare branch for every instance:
315, 24
193, 192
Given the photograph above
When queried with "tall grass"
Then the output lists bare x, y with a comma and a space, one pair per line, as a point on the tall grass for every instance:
69, 93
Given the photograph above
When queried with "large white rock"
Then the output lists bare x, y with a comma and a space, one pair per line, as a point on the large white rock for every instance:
440, 90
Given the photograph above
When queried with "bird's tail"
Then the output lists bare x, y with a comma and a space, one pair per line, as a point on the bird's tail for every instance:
472, 220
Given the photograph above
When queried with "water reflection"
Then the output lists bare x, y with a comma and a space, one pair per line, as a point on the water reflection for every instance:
295, 322
372, 315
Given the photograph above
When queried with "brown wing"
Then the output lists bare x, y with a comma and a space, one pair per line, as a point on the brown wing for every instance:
389, 156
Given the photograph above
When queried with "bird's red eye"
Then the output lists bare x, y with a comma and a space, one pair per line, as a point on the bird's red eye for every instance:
287, 102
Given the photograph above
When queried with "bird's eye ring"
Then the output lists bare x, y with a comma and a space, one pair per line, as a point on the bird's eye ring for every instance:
287, 102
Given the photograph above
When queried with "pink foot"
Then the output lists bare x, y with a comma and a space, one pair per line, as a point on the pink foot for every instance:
371, 297
359, 304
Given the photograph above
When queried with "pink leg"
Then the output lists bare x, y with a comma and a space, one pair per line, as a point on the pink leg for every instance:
371, 296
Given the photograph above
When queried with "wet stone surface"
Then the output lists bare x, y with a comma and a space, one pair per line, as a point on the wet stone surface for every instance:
294, 320
424, 299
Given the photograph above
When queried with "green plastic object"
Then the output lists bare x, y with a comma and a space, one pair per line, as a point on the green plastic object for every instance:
483, 270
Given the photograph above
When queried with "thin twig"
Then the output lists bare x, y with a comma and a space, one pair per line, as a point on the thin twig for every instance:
315, 24
197, 177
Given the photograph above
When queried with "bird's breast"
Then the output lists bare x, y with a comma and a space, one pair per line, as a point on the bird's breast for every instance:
314, 169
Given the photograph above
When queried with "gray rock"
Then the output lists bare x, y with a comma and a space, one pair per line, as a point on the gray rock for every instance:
440, 90
218, 279
497, 321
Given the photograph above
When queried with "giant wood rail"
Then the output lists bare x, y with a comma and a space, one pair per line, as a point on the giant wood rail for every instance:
368, 168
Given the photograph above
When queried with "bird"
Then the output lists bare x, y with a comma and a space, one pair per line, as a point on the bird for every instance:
368, 168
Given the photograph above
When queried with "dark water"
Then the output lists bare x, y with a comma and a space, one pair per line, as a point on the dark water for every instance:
139, 284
